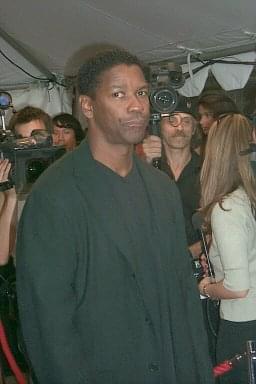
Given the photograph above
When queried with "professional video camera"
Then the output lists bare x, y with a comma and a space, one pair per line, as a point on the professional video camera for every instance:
29, 156
164, 81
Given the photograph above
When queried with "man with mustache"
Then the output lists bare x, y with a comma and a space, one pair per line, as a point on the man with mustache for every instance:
183, 165
105, 288
179, 161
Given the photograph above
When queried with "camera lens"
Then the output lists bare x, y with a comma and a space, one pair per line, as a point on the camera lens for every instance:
34, 168
164, 100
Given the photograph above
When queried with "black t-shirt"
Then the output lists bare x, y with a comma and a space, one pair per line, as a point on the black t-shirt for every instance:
133, 201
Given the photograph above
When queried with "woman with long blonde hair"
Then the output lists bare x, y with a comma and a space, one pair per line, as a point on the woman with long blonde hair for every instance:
228, 206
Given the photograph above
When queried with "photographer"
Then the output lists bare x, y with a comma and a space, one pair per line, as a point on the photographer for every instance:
21, 124
179, 161
228, 207
182, 164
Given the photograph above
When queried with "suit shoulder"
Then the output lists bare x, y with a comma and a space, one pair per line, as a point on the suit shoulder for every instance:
58, 179
154, 173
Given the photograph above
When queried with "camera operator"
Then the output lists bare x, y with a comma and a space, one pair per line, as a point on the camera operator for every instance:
22, 124
183, 165
179, 161
28, 119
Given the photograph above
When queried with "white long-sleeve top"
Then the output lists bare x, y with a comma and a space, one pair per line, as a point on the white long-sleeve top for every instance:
233, 254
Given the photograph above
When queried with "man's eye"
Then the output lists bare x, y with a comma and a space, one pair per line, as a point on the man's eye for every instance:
143, 93
118, 94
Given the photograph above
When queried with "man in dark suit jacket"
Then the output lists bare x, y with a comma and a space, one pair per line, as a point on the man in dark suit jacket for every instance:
105, 288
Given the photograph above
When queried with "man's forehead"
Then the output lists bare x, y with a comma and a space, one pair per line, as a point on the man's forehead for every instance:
30, 126
182, 114
121, 73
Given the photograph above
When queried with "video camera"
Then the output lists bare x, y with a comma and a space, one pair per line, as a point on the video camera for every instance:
29, 156
164, 81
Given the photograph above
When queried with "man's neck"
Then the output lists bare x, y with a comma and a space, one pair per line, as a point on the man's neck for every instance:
116, 157
177, 159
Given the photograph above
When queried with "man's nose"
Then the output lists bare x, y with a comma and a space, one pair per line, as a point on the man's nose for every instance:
202, 120
180, 126
136, 103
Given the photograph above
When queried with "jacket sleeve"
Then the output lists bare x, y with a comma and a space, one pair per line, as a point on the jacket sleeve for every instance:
46, 259
230, 232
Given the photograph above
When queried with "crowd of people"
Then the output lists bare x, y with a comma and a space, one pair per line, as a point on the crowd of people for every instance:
106, 243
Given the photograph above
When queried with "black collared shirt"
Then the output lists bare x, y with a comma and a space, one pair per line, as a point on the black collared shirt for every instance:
188, 184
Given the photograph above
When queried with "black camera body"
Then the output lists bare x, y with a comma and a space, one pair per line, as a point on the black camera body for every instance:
198, 271
164, 82
29, 157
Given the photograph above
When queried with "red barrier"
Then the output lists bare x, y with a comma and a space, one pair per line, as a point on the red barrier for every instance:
10, 358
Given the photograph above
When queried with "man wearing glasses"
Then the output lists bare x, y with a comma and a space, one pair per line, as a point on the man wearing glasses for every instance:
179, 161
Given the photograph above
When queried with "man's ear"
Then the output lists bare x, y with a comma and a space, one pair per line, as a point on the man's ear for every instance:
86, 106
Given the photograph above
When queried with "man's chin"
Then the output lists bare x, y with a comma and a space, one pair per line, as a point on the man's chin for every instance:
137, 138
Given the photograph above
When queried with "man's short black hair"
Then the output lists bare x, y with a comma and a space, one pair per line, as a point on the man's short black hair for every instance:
89, 74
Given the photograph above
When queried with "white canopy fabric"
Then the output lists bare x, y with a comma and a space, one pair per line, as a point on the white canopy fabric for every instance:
53, 37
52, 101
229, 76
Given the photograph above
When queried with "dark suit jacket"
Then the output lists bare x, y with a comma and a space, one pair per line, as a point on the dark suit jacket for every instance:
85, 315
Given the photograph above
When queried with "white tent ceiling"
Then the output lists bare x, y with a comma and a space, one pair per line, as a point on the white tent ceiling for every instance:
54, 35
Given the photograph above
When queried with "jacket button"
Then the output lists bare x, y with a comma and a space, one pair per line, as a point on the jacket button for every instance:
153, 367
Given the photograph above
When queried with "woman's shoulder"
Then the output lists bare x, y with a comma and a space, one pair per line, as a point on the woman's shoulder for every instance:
235, 202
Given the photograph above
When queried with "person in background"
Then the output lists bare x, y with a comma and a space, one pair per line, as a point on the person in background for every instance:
8, 202
179, 161
105, 287
28, 119
228, 205
67, 131
22, 124
212, 104
183, 165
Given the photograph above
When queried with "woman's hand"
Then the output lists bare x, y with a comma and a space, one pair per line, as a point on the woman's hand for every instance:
203, 284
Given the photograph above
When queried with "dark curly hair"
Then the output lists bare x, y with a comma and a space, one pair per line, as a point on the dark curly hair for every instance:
89, 75
66, 120
217, 102
28, 114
